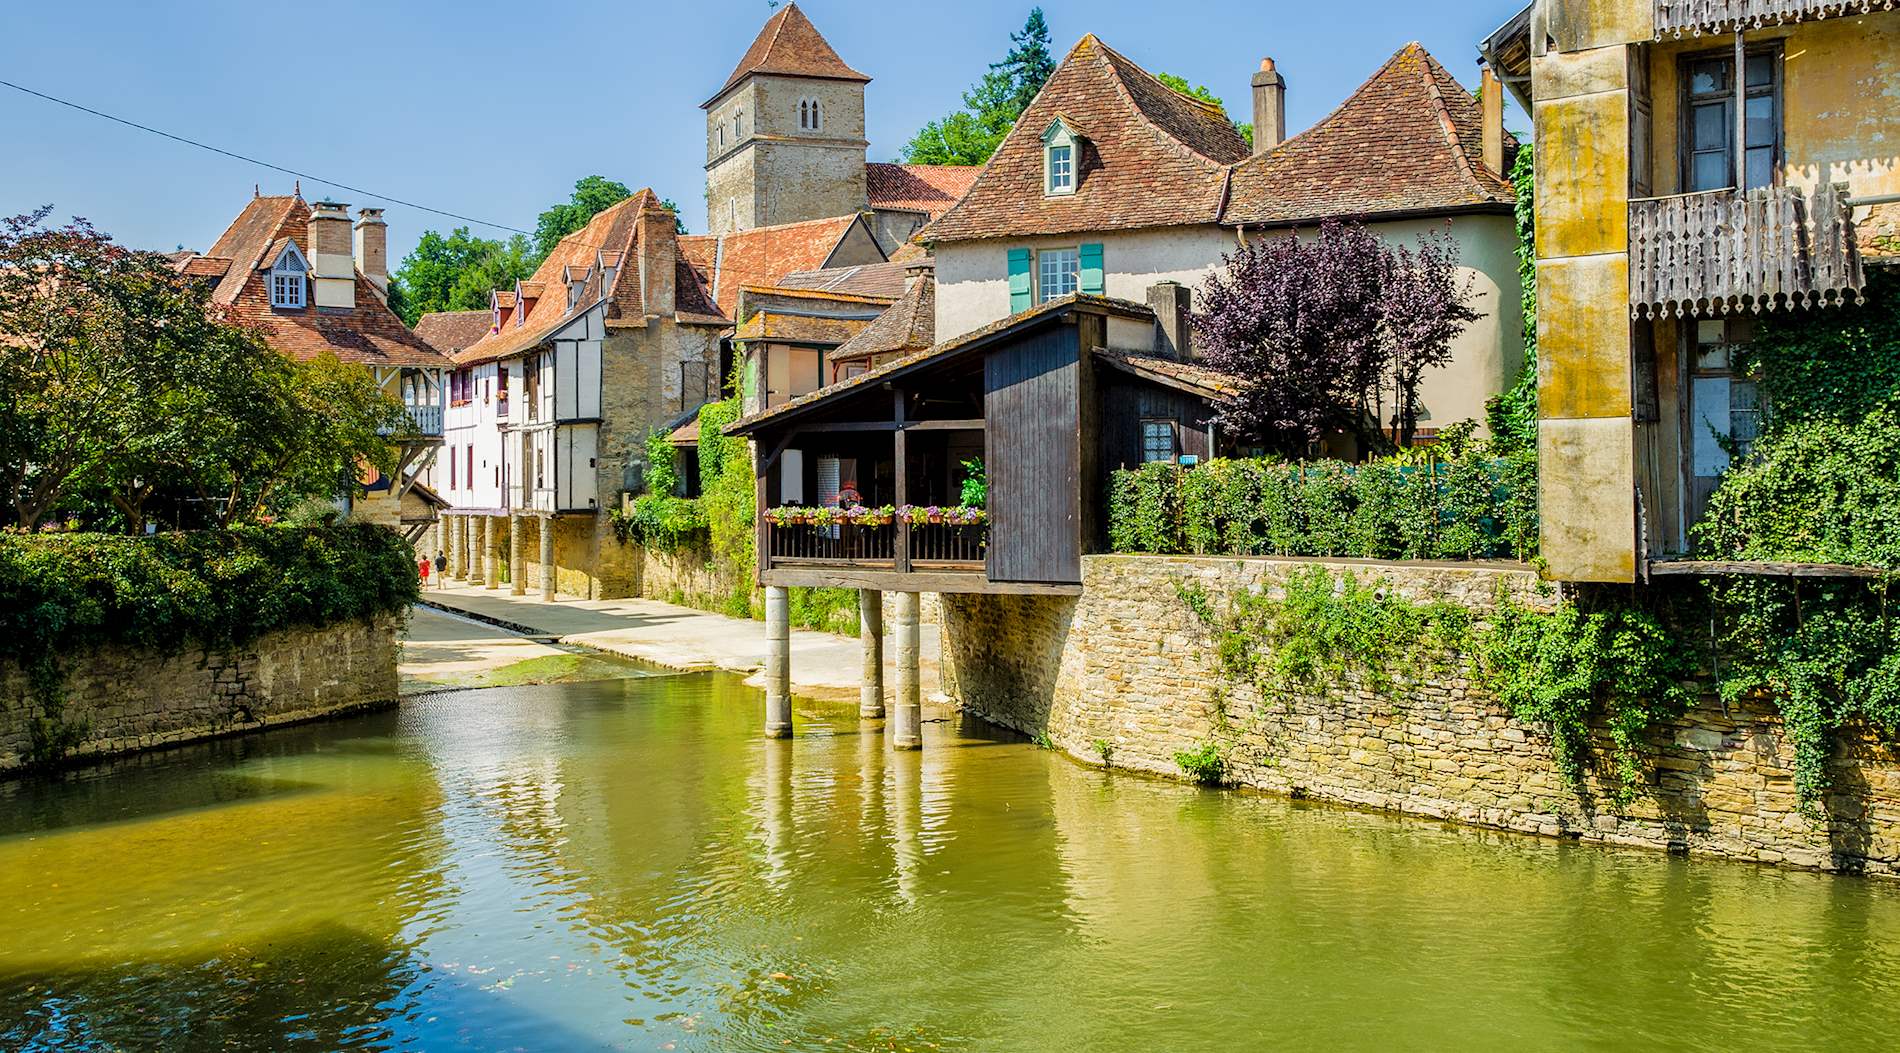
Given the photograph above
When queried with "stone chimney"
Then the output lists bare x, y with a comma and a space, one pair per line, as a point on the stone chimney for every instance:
923, 268
1491, 101
1172, 303
1269, 108
658, 260
332, 259
372, 247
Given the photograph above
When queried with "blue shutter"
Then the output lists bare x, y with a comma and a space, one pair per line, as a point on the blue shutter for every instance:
1092, 280
1021, 297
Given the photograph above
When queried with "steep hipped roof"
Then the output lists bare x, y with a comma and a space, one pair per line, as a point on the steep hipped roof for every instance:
764, 255
1409, 141
789, 45
1150, 157
930, 189
909, 325
451, 331
367, 334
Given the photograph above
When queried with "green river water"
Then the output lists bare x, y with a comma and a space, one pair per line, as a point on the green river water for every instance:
629, 865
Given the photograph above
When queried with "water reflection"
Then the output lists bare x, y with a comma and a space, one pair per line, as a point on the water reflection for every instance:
629, 865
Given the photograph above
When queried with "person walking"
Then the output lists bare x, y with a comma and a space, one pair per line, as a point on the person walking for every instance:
441, 569
422, 571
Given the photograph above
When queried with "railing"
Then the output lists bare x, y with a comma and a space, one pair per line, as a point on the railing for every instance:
945, 543
877, 545
1711, 253
1696, 17
427, 418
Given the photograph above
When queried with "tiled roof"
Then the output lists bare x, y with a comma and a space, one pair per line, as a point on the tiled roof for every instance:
1204, 380
368, 334
790, 45
762, 255
909, 325
1409, 140
451, 331
1152, 157
918, 188
870, 279
908, 251
770, 325
204, 266
805, 315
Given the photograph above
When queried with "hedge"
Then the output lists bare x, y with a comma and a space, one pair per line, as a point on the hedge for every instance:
1470, 508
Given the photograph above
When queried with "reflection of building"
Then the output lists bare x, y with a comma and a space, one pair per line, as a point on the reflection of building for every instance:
1698, 164
313, 284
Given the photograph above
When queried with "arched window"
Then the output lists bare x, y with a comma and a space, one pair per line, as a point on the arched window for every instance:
810, 117
720, 133
738, 125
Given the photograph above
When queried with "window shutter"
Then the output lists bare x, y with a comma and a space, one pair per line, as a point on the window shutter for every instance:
1020, 298
1092, 280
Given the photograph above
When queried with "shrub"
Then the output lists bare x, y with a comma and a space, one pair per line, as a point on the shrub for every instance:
1203, 764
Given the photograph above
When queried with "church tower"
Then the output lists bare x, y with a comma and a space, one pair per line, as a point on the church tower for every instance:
785, 136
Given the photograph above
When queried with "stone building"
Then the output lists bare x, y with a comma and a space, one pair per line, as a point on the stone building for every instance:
315, 283
1698, 164
1111, 183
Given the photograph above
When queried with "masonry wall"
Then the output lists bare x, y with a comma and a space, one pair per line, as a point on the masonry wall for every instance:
1128, 665
136, 698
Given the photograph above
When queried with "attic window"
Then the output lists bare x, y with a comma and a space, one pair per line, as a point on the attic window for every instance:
810, 117
1059, 150
287, 279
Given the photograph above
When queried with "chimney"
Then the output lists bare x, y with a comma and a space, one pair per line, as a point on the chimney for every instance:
657, 260
332, 260
1172, 304
1491, 100
923, 268
372, 247
1269, 108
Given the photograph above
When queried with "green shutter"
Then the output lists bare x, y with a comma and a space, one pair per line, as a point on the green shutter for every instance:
1020, 296
1093, 279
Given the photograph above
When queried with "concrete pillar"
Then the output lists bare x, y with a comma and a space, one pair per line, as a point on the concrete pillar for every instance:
907, 722
491, 567
778, 663
547, 558
871, 635
517, 573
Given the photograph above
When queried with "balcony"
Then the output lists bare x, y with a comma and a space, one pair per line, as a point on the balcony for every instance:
427, 419
1696, 17
1704, 255
845, 549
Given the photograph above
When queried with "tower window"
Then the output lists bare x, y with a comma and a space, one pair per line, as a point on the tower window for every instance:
738, 125
810, 116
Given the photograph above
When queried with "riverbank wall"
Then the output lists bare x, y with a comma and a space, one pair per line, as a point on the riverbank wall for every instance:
118, 699
1128, 671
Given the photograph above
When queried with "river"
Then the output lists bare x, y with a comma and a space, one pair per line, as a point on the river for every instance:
629, 865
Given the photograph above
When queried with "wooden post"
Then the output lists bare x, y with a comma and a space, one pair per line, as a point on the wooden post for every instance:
900, 556
871, 636
778, 663
1741, 112
907, 723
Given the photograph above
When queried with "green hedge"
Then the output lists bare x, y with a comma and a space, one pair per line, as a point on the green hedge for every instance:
1470, 508
61, 592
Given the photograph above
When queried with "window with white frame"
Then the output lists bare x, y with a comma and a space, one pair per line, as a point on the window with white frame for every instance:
1062, 169
287, 280
810, 116
1061, 148
1057, 273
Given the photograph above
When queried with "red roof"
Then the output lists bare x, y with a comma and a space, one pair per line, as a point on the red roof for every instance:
790, 45
451, 331
763, 255
1410, 140
918, 188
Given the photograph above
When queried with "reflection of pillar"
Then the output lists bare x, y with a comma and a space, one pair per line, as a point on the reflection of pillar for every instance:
778, 663
907, 850
871, 634
907, 723
517, 575
775, 813
491, 567
547, 558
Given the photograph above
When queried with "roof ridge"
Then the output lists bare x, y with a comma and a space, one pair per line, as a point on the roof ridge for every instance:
1204, 105
1153, 126
1443, 109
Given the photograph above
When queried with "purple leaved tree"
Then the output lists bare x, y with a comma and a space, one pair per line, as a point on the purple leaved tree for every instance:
1426, 306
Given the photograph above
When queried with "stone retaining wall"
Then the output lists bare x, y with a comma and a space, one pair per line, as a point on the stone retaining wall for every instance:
1128, 666
133, 698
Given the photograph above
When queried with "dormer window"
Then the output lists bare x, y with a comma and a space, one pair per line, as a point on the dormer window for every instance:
288, 278
1061, 147
810, 117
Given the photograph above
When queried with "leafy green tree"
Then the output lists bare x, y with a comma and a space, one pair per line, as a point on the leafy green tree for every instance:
971, 134
457, 272
592, 195
1205, 94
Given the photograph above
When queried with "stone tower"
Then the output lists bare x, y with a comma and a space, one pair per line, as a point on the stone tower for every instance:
785, 136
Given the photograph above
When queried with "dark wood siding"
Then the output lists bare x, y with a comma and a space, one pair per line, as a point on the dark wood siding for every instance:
1127, 401
1031, 397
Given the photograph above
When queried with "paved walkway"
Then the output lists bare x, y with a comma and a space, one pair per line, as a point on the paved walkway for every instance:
824, 665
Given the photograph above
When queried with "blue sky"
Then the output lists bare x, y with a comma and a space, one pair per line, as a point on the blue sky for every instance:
493, 109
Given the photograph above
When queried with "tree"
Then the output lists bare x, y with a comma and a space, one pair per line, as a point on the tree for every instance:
1319, 328
679, 225
969, 136
1206, 94
592, 195
456, 273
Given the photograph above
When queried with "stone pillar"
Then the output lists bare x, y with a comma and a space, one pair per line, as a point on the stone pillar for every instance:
464, 547
907, 722
517, 573
445, 531
778, 663
871, 635
547, 558
491, 567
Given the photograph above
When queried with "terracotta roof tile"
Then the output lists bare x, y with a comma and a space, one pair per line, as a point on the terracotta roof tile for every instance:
770, 325
1409, 140
205, 266
1204, 379
869, 279
1152, 157
930, 189
790, 45
451, 331
762, 255
909, 325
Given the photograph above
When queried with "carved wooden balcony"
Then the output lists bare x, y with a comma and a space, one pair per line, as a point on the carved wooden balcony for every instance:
1696, 17
1704, 255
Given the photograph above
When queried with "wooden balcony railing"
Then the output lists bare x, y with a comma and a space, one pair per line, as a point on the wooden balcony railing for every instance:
942, 545
1696, 17
1702, 255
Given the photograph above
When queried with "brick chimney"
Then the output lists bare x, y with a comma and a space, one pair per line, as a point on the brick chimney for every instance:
332, 259
1491, 101
372, 247
1172, 304
658, 252
1269, 108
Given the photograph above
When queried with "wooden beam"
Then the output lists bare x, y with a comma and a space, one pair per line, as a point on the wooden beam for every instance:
950, 581
902, 471
944, 425
854, 425
1763, 569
